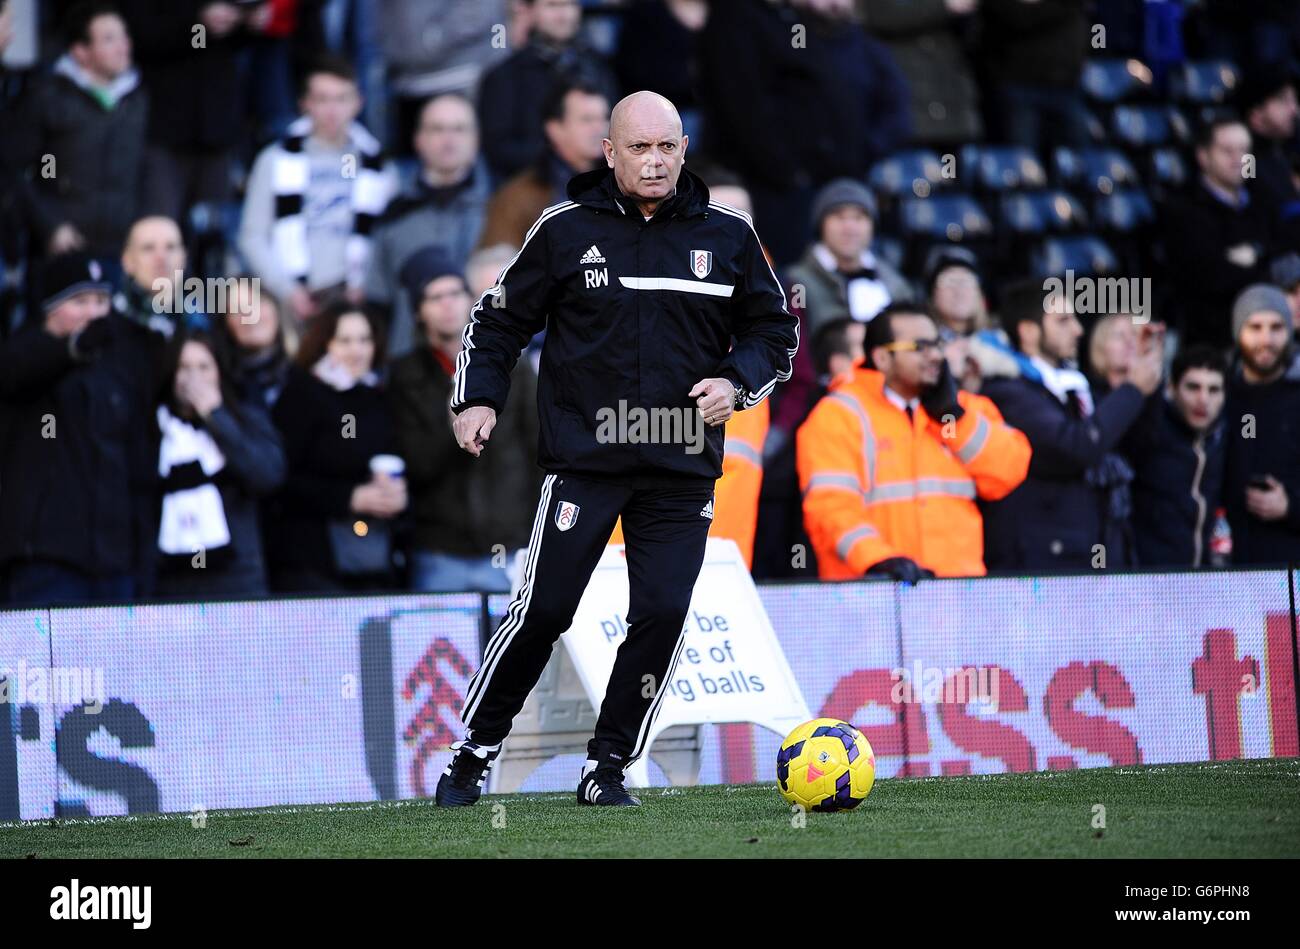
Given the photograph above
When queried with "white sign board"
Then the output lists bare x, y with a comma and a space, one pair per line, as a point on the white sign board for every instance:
731, 668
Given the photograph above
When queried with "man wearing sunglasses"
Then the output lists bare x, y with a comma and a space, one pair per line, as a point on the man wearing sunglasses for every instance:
892, 460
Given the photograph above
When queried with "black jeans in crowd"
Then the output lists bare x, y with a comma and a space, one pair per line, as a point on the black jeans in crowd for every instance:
665, 529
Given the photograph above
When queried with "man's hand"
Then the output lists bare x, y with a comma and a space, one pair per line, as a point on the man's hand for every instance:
940, 399
902, 569
1268, 504
1149, 366
716, 400
381, 497
473, 427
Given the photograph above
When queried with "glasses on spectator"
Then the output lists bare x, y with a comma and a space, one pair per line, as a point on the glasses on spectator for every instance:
921, 346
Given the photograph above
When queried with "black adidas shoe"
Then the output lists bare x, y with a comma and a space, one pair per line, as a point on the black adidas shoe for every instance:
462, 783
604, 786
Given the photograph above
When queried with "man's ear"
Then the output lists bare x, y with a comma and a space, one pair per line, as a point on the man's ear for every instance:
686, 140
879, 358
608, 147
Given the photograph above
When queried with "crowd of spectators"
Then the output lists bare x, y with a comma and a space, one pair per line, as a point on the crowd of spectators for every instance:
342, 180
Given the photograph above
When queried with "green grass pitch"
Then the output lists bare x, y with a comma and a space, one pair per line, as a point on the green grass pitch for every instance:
1222, 809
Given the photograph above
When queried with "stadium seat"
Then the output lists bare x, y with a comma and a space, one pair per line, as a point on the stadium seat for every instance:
1115, 80
1168, 168
1094, 170
1041, 212
952, 217
1001, 167
1085, 254
1148, 126
906, 173
1203, 82
1123, 210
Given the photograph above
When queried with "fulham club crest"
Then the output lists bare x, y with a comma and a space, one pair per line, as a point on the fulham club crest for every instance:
701, 263
566, 515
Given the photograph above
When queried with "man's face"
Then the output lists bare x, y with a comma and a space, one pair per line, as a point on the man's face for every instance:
76, 312
647, 158
909, 370
154, 251
957, 297
447, 137
444, 310
1060, 337
557, 20
847, 231
1198, 396
1119, 346
108, 54
1263, 340
577, 137
332, 103
1275, 117
1222, 161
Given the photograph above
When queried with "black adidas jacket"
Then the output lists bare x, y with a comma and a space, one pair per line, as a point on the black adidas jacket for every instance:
636, 312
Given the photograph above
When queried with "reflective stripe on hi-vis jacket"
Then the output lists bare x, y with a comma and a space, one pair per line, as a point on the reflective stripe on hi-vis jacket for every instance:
877, 484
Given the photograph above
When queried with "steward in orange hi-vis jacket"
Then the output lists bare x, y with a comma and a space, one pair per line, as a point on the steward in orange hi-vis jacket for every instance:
892, 459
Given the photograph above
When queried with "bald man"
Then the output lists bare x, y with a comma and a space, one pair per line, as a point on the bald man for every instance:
153, 260
662, 318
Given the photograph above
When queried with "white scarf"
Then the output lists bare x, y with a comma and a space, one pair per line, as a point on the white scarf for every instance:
338, 378
866, 296
290, 178
1061, 381
193, 518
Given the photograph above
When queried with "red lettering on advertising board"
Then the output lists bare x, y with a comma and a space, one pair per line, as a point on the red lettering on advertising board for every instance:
1092, 733
1221, 677
1281, 686
982, 735
905, 735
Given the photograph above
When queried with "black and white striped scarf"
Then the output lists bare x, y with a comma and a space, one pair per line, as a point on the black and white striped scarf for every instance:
291, 177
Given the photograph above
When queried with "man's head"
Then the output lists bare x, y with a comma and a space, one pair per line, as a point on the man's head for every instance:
1036, 329
725, 186
1221, 146
1197, 386
74, 293
1268, 102
843, 216
446, 138
438, 293
839, 345
1113, 347
902, 341
98, 40
154, 251
575, 117
646, 147
485, 264
1262, 326
330, 98
953, 283
554, 21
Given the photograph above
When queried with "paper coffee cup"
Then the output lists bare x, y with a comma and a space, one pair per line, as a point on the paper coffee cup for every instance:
390, 465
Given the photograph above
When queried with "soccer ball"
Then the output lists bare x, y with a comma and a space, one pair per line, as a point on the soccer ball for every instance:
825, 765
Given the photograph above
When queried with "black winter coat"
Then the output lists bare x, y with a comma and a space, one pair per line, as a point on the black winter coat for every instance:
652, 311
1177, 485
75, 464
1053, 520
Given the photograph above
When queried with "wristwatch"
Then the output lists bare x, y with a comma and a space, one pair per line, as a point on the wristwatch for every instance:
738, 403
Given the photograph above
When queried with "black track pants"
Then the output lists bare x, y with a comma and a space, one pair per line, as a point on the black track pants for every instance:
664, 529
